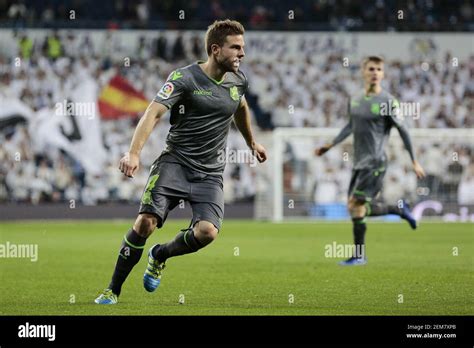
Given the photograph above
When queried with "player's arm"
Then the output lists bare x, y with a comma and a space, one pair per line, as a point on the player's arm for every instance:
417, 168
402, 130
130, 161
242, 121
343, 134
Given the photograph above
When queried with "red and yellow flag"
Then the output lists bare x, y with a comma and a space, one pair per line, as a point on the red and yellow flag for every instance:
119, 99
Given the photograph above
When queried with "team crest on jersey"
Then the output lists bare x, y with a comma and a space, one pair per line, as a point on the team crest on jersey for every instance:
375, 108
234, 93
166, 90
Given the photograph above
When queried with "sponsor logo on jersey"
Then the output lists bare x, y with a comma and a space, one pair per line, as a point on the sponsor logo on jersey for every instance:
174, 75
202, 92
166, 90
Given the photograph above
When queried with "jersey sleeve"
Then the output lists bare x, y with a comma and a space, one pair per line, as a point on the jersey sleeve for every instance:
394, 114
172, 90
347, 130
246, 85
396, 119
245, 82
343, 134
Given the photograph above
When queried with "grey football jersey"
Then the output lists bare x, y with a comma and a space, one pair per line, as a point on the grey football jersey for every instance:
371, 119
201, 115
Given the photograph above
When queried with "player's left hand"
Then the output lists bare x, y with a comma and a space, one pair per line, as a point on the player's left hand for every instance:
420, 172
259, 152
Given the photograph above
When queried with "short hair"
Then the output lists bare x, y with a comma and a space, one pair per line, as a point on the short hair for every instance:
375, 59
218, 31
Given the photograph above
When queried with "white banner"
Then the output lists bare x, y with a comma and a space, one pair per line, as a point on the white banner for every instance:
13, 110
74, 126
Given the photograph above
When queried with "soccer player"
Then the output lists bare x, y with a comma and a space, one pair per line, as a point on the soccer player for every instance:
372, 114
204, 99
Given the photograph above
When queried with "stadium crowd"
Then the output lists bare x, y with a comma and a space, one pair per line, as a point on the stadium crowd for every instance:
360, 15
317, 93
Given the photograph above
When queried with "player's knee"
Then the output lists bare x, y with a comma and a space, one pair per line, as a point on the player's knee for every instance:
205, 232
145, 224
354, 207
357, 210
351, 204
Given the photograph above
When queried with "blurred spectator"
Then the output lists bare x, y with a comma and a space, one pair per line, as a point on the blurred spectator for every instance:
26, 47
161, 44
143, 12
466, 186
178, 50
52, 46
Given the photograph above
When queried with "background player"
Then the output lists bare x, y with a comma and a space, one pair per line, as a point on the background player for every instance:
204, 98
371, 129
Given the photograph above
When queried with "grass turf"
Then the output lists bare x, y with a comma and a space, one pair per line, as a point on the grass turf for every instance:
280, 269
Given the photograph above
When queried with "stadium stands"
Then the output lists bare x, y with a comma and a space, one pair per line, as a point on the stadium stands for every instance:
319, 97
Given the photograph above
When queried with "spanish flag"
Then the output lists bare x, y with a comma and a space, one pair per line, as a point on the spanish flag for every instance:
119, 99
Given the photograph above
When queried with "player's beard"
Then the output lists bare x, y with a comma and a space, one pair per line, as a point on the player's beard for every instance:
226, 64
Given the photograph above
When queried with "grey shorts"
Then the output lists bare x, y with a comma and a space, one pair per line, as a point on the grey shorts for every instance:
366, 183
171, 182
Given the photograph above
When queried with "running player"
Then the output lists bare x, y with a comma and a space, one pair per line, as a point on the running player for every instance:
371, 129
204, 98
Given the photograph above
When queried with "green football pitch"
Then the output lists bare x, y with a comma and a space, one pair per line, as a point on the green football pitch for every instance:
253, 268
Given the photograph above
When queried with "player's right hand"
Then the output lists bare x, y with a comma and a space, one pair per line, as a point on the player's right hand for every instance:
129, 164
322, 150
419, 171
